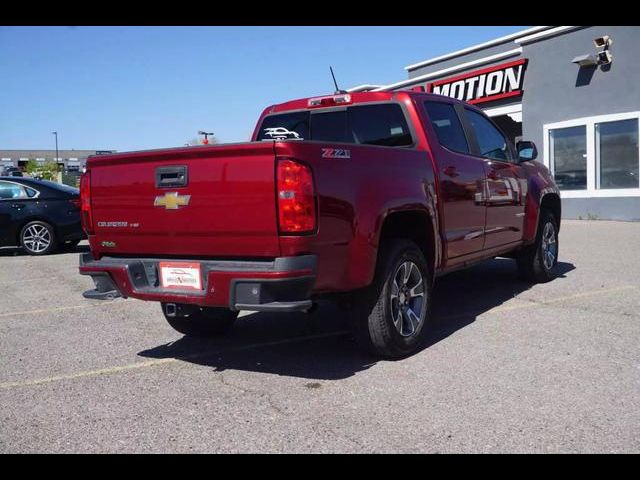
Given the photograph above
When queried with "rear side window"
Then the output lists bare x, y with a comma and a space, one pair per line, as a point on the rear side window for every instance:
447, 126
382, 124
491, 142
11, 190
285, 126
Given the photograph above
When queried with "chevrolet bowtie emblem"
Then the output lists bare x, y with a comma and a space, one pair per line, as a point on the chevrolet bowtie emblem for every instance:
171, 201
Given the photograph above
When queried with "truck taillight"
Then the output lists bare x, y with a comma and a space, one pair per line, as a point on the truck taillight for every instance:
85, 203
330, 101
296, 197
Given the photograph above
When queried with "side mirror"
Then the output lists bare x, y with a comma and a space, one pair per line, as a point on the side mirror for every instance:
526, 151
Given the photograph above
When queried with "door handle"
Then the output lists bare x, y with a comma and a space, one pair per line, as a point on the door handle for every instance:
450, 171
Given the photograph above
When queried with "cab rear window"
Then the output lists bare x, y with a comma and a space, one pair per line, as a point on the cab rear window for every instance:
378, 124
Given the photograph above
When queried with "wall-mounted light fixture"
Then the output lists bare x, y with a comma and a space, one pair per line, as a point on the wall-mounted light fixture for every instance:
588, 60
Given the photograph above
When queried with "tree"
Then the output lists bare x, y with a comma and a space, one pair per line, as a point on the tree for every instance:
46, 171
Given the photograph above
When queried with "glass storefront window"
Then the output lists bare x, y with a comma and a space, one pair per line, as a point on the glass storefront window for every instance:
617, 154
569, 157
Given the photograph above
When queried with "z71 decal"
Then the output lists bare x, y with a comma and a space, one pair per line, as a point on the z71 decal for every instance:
336, 153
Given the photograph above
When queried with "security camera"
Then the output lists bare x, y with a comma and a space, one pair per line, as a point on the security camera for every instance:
588, 60
604, 58
604, 41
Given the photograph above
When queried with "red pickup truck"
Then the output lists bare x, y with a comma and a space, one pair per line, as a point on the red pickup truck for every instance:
364, 197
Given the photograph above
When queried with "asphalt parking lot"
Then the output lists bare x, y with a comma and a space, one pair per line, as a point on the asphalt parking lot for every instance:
509, 368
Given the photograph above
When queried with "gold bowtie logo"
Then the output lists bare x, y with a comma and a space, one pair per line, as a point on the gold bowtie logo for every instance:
171, 201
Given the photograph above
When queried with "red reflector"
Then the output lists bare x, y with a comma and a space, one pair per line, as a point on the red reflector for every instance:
296, 198
85, 203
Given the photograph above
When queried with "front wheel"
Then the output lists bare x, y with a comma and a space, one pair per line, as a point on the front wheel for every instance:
537, 263
197, 321
389, 317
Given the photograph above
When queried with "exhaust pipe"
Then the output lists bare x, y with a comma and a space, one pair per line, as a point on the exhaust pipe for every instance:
170, 309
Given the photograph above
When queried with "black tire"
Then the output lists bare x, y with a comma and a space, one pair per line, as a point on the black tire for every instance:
197, 321
534, 263
34, 235
374, 308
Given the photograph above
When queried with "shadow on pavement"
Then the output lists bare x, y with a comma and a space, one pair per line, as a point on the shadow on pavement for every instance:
317, 346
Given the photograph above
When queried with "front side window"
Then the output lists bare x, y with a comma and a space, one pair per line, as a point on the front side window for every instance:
568, 150
491, 141
617, 154
447, 126
11, 190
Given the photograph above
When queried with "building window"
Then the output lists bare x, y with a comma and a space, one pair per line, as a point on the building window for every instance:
595, 156
569, 157
617, 154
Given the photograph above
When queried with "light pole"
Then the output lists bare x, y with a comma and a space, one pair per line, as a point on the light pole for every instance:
56, 134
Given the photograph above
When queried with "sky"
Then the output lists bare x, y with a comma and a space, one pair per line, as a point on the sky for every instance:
133, 88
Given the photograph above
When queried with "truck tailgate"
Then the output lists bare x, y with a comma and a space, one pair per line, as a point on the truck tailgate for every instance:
226, 209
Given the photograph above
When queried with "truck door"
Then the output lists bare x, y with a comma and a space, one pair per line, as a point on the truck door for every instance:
461, 178
506, 185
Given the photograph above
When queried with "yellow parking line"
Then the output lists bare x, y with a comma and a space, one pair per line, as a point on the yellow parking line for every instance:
47, 310
160, 361
41, 279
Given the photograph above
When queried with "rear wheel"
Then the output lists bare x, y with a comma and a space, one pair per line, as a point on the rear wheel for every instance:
537, 263
198, 321
38, 238
389, 317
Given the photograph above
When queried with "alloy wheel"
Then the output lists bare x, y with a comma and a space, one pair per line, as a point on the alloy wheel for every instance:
36, 238
407, 298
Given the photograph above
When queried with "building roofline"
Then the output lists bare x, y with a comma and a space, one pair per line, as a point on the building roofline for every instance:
363, 87
547, 33
460, 66
517, 36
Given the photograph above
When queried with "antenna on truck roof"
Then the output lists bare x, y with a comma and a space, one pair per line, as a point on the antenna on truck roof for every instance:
336, 83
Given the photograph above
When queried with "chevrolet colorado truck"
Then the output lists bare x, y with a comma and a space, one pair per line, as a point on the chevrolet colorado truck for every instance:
365, 198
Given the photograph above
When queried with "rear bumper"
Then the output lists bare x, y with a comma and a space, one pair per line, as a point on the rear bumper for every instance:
283, 284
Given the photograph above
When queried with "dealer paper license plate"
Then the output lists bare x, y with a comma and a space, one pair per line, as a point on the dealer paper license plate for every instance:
180, 275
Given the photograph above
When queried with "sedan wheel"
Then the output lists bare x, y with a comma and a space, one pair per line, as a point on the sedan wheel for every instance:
38, 238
